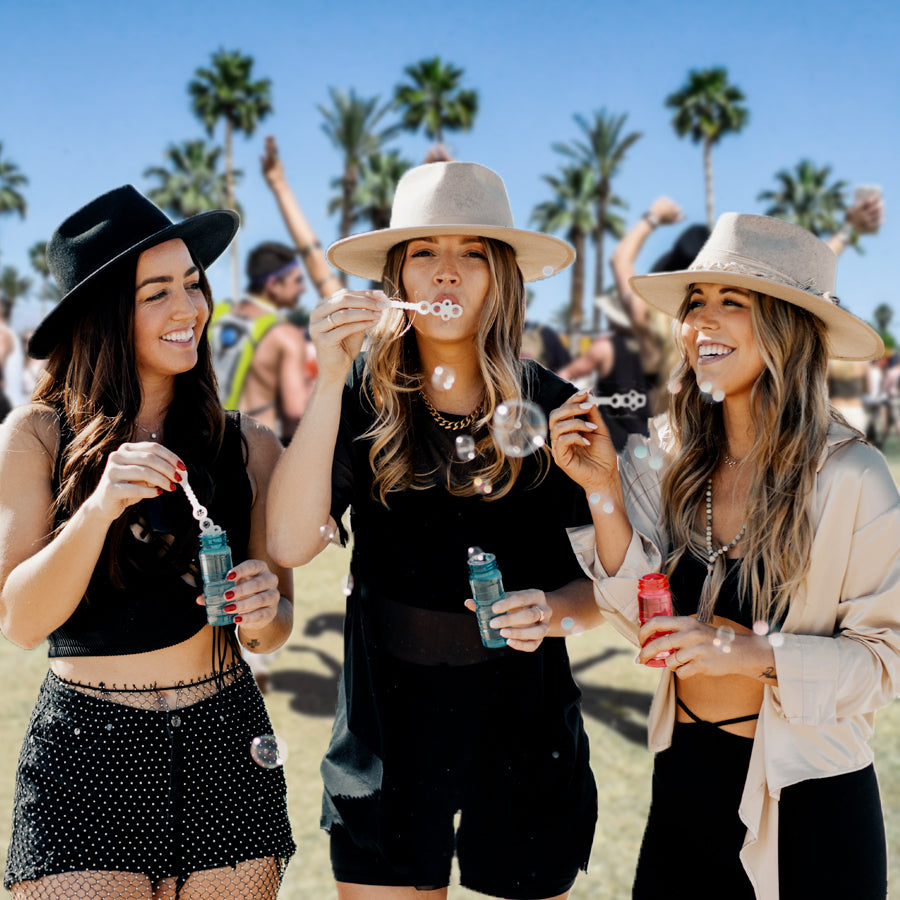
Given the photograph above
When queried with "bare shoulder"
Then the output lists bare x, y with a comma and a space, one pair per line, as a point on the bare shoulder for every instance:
32, 426
263, 447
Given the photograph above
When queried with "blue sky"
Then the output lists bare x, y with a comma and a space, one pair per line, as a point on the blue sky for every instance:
94, 90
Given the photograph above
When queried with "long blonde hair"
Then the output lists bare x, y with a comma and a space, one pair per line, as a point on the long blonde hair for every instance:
394, 377
790, 414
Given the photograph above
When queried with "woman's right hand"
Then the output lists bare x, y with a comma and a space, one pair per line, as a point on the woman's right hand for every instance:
581, 445
338, 326
134, 472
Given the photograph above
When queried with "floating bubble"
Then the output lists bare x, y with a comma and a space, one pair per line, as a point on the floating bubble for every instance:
568, 623
706, 387
443, 378
475, 553
641, 451
268, 751
555, 754
465, 447
347, 585
655, 462
520, 427
483, 485
594, 498
724, 637
761, 628
548, 271
608, 507
776, 639
674, 387
718, 396
326, 532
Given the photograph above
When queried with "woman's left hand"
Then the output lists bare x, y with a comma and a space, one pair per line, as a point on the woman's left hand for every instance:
253, 597
523, 618
697, 648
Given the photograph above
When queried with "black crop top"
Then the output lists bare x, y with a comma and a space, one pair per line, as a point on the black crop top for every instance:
686, 584
157, 606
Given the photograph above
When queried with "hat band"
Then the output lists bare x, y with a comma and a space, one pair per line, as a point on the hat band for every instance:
747, 265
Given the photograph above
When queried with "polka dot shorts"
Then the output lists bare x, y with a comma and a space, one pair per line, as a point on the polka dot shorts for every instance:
102, 785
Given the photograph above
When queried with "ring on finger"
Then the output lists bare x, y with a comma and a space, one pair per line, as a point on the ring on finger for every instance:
541, 615
330, 320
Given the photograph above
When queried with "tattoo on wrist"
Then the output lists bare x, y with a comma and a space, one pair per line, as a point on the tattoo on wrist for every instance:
769, 673
252, 644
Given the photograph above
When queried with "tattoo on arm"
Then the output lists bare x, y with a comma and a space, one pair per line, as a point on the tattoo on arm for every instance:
252, 644
769, 673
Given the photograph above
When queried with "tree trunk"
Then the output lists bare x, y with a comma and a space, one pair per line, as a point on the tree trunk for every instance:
576, 314
708, 173
348, 183
229, 196
598, 263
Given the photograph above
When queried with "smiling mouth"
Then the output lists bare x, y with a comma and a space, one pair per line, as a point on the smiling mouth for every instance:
712, 352
179, 337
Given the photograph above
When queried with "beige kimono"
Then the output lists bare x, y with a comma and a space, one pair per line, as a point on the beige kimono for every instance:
840, 657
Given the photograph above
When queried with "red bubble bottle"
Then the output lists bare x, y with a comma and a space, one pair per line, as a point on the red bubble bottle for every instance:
654, 599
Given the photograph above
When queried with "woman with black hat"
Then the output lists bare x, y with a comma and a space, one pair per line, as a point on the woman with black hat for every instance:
136, 777
779, 530
429, 720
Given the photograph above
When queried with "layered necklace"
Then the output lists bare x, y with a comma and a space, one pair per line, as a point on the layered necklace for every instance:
707, 601
449, 424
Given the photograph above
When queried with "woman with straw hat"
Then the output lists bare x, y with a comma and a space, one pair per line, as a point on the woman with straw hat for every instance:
136, 777
779, 529
430, 722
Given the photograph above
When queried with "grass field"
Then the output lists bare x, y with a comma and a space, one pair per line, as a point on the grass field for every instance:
616, 699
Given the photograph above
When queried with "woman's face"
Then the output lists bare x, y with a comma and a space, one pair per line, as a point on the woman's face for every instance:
447, 267
719, 339
170, 311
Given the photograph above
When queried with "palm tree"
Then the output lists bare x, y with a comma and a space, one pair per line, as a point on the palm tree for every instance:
434, 100
603, 150
571, 210
378, 179
805, 198
13, 285
351, 124
882, 315
706, 109
11, 179
227, 91
48, 291
192, 183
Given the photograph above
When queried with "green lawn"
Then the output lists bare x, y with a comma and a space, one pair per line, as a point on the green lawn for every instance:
616, 697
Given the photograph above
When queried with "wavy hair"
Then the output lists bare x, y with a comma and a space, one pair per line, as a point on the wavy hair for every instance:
790, 414
394, 378
91, 382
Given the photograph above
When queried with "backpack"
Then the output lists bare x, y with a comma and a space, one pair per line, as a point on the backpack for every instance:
233, 341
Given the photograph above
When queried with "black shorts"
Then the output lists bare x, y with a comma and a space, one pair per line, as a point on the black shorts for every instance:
522, 790
165, 793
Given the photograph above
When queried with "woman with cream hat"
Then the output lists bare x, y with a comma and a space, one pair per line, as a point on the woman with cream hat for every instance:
429, 721
779, 529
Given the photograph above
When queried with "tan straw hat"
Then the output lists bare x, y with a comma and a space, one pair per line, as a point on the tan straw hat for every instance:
451, 198
772, 257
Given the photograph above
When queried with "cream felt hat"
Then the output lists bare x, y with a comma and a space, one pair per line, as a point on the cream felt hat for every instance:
773, 257
451, 198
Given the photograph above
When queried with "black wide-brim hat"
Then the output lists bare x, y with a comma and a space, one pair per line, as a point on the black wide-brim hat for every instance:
112, 229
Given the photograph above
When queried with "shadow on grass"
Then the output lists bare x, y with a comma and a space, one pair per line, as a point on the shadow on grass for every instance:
314, 694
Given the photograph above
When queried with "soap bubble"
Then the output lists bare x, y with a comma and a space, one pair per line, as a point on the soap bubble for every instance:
724, 637
520, 427
718, 396
326, 532
608, 507
761, 627
483, 485
347, 585
475, 553
443, 378
674, 387
268, 751
655, 462
776, 639
594, 498
548, 271
706, 387
568, 623
641, 451
465, 447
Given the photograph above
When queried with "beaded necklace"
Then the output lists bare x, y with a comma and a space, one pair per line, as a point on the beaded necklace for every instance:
704, 608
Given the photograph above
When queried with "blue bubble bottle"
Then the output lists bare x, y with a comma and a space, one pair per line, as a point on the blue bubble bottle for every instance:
215, 564
487, 589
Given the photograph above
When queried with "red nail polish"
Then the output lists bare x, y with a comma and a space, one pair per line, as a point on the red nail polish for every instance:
238, 619
159, 490
173, 486
177, 477
181, 466
229, 595
229, 607
231, 576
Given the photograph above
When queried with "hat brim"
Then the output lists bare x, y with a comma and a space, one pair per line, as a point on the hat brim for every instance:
538, 255
207, 236
849, 337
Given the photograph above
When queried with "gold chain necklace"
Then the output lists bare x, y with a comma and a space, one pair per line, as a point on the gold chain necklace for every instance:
447, 424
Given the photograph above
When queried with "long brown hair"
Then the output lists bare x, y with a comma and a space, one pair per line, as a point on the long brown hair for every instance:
790, 416
91, 382
394, 377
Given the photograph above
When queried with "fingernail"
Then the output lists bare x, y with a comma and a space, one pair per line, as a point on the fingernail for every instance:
173, 486
159, 490
383, 304
229, 595
181, 466
238, 619
591, 425
230, 607
231, 576
177, 477
586, 442
586, 405
505, 632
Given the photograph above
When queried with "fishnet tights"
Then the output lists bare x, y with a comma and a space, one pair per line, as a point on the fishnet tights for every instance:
255, 879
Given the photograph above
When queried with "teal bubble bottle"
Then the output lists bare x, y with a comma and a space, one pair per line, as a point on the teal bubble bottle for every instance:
215, 564
487, 589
